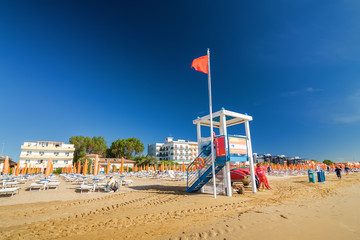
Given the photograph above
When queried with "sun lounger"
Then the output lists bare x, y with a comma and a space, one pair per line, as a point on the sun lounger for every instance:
21, 181
127, 182
8, 191
101, 186
52, 185
11, 184
84, 187
37, 186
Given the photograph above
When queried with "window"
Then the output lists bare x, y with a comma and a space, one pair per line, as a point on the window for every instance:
27, 160
67, 154
43, 144
41, 153
39, 161
29, 152
55, 161
56, 153
66, 162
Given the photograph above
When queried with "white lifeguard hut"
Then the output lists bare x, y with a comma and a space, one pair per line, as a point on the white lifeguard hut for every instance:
230, 149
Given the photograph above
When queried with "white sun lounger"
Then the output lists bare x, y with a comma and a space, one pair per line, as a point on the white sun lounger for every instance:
84, 187
7, 191
11, 184
37, 186
101, 186
52, 185
127, 182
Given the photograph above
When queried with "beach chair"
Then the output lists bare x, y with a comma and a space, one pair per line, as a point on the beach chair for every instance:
52, 185
8, 191
127, 182
37, 186
101, 187
87, 188
11, 184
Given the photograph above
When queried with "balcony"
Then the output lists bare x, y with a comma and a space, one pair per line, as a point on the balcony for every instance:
50, 148
43, 156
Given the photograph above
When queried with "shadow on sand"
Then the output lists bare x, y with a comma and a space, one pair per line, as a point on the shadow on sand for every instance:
161, 189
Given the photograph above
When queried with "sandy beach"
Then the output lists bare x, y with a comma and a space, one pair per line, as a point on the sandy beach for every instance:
161, 209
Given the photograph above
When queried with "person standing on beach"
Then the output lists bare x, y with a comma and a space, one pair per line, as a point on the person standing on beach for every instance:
260, 172
347, 169
338, 172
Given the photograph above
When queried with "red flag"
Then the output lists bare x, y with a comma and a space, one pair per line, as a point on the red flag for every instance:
201, 64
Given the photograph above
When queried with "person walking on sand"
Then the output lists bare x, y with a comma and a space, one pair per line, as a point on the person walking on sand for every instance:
347, 169
260, 172
338, 172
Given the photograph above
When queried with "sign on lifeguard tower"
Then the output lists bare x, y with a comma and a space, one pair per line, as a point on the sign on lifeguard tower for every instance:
229, 149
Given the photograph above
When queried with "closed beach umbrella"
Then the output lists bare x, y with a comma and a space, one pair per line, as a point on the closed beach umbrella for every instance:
162, 167
79, 167
30, 169
6, 168
48, 168
96, 164
91, 169
108, 168
122, 165
127, 168
147, 167
17, 168
23, 171
85, 168
74, 169
155, 167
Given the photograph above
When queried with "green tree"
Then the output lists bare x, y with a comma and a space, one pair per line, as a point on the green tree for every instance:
86, 145
118, 149
127, 148
328, 162
134, 146
144, 160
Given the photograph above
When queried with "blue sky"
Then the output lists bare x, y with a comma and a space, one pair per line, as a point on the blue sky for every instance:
121, 69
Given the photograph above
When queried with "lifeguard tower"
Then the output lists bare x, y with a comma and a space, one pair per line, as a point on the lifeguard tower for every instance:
229, 149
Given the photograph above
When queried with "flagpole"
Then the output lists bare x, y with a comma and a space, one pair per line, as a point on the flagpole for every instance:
211, 126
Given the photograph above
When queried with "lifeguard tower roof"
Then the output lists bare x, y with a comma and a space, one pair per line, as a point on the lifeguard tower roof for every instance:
232, 118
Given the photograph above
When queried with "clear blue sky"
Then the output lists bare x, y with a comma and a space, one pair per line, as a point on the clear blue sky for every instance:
121, 69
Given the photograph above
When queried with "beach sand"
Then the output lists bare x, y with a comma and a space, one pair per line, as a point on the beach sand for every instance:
161, 209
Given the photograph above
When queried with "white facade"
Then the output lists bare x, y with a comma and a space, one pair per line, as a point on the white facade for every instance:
178, 151
38, 153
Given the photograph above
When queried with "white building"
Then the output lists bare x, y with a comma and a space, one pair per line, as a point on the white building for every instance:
177, 151
38, 153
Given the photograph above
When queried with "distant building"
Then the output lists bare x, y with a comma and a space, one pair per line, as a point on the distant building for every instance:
38, 153
177, 151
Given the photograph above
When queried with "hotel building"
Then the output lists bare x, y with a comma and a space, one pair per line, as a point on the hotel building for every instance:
177, 151
38, 153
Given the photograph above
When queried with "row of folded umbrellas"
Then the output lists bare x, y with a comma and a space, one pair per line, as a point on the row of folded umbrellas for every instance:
28, 169
95, 168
